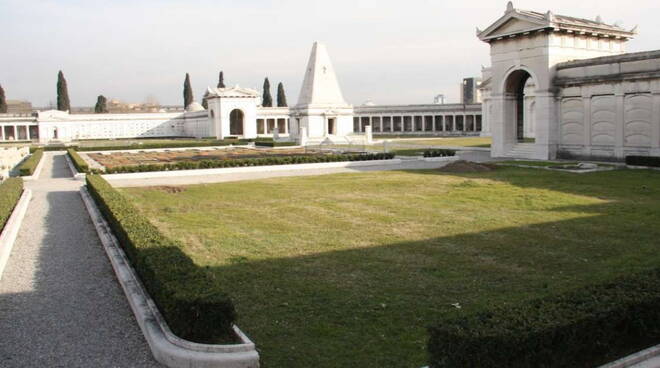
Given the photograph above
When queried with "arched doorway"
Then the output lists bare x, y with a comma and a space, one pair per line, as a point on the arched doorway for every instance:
519, 87
236, 122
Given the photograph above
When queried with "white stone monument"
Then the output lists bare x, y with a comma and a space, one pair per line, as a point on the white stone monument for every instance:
321, 108
233, 112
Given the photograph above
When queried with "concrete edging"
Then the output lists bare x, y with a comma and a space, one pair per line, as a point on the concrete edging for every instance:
37, 170
249, 169
633, 359
76, 175
10, 231
167, 348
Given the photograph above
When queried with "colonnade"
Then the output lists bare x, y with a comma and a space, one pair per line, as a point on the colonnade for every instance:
266, 125
419, 123
18, 132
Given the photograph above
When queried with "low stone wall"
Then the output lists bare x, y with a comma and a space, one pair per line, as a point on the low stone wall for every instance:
10, 157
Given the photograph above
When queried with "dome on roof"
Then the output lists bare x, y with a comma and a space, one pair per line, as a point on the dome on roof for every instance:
368, 103
194, 107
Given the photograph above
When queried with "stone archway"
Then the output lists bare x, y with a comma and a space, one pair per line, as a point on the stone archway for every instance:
516, 92
236, 119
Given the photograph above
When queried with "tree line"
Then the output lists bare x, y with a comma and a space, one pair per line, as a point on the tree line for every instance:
101, 107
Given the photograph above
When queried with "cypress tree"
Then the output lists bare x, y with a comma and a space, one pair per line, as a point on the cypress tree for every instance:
63, 103
187, 92
101, 105
281, 96
205, 103
267, 98
3, 101
221, 80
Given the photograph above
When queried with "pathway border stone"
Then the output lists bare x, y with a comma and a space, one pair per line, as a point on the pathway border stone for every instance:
10, 231
167, 348
635, 359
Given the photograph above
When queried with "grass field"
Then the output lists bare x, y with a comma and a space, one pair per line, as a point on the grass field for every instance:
348, 270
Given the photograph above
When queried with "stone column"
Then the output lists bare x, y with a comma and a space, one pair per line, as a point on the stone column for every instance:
586, 110
619, 123
655, 118
27, 132
302, 137
381, 124
391, 124
15, 132
2, 132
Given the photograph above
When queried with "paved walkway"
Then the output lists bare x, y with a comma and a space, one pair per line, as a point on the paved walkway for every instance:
60, 304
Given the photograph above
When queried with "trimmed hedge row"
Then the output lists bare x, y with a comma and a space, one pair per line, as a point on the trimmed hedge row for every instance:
440, 153
651, 161
10, 192
30, 164
576, 329
264, 161
80, 164
193, 304
274, 144
209, 143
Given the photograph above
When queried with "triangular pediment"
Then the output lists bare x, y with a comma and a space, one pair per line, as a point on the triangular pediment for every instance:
512, 23
231, 92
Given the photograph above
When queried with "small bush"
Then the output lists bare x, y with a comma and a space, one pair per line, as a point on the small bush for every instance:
262, 161
274, 144
30, 164
576, 329
78, 162
10, 192
651, 161
440, 153
205, 143
193, 304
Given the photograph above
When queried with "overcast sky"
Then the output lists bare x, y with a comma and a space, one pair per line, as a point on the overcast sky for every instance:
393, 52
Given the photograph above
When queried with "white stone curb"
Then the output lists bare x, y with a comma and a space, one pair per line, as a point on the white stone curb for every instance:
441, 159
167, 348
633, 359
9, 233
76, 175
249, 169
37, 170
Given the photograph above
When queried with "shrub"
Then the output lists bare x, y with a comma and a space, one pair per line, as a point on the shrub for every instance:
440, 153
575, 329
205, 143
193, 304
30, 164
10, 192
78, 162
274, 144
262, 161
651, 161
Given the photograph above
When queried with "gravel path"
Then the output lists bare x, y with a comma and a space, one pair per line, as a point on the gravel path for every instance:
60, 304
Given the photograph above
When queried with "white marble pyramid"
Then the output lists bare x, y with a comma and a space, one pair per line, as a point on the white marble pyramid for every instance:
320, 86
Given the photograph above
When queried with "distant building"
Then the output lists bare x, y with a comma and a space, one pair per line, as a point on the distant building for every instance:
470, 93
19, 107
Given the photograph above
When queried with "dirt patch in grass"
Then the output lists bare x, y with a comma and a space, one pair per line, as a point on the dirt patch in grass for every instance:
466, 166
170, 189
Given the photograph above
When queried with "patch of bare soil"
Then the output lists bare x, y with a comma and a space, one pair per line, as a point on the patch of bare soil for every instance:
170, 189
466, 166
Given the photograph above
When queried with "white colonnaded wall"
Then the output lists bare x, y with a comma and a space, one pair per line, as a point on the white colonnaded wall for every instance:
61, 126
610, 107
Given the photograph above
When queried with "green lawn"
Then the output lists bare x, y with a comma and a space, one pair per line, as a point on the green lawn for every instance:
348, 270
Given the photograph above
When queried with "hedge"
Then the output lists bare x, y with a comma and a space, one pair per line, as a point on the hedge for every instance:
10, 192
585, 327
30, 164
194, 305
80, 164
274, 144
263, 161
439, 153
643, 161
208, 143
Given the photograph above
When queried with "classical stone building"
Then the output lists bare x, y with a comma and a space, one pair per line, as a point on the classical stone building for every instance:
570, 81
